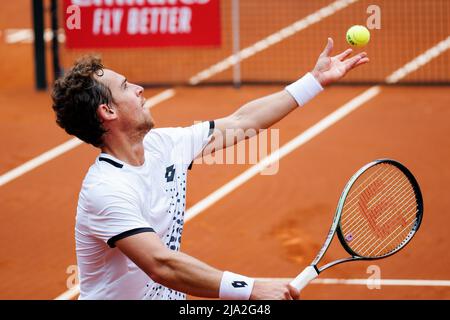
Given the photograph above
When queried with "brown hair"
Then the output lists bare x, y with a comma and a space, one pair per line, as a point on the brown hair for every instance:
76, 98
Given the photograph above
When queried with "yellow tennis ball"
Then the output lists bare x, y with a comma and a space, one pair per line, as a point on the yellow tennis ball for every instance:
358, 36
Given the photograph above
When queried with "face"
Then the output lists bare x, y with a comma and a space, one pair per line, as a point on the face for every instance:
128, 102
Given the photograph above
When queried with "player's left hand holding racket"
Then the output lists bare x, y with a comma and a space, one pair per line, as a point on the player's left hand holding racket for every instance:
378, 213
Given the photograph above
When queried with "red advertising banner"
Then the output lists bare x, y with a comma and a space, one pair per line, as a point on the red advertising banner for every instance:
141, 23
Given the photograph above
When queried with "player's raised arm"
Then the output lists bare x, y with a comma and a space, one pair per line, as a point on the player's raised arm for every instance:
184, 273
266, 111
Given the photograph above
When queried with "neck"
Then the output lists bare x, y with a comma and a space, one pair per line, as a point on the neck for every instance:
125, 148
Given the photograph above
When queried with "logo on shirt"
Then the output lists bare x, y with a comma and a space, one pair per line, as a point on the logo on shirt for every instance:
239, 284
170, 173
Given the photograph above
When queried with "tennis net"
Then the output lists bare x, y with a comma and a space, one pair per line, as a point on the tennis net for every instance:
280, 39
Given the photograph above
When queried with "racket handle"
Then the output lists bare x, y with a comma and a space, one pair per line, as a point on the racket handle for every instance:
307, 275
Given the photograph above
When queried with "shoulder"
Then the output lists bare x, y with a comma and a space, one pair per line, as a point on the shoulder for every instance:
175, 135
163, 141
101, 191
164, 135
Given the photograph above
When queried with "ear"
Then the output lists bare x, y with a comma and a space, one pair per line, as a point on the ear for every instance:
106, 112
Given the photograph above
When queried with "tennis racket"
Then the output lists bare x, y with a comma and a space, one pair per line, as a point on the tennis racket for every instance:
378, 213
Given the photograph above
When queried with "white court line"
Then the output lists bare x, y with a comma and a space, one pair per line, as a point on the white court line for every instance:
13, 36
372, 282
38, 161
419, 61
270, 40
69, 145
69, 294
18, 35
73, 292
159, 98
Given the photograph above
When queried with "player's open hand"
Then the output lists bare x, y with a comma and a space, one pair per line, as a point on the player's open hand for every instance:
330, 69
274, 290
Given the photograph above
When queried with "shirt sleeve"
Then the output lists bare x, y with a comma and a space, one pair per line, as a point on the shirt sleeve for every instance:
115, 214
195, 139
184, 144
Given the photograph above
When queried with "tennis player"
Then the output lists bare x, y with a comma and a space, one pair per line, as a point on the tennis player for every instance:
131, 205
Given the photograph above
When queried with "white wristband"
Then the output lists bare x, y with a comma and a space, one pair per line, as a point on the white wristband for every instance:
235, 287
304, 89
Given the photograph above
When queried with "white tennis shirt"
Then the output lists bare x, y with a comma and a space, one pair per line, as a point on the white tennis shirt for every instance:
118, 200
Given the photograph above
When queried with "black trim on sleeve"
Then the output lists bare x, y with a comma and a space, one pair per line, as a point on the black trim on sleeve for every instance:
212, 125
112, 241
114, 163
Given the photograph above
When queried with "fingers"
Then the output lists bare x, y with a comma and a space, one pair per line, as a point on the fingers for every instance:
352, 62
329, 47
362, 61
343, 55
287, 296
295, 294
291, 293
277, 290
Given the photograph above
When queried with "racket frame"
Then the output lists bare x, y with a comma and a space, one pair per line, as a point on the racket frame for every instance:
419, 213
336, 222
312, 271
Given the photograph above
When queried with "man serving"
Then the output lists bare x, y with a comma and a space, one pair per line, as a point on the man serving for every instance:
131, 205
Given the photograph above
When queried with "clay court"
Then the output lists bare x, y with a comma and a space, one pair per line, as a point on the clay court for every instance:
270, 226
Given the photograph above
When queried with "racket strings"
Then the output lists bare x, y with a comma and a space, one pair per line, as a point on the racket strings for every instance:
352, 198
368, 247
354, 207
351, 207
371, 238
365, 246
353, 214
359, 219
367, 234
364, 230
390, 243
384, 217
401, 236
379, 212
361, 186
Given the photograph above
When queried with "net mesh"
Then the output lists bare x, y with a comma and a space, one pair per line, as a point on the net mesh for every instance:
281, 40
380, 212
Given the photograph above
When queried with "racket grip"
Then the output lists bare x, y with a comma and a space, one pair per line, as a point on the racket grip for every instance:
307, 275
